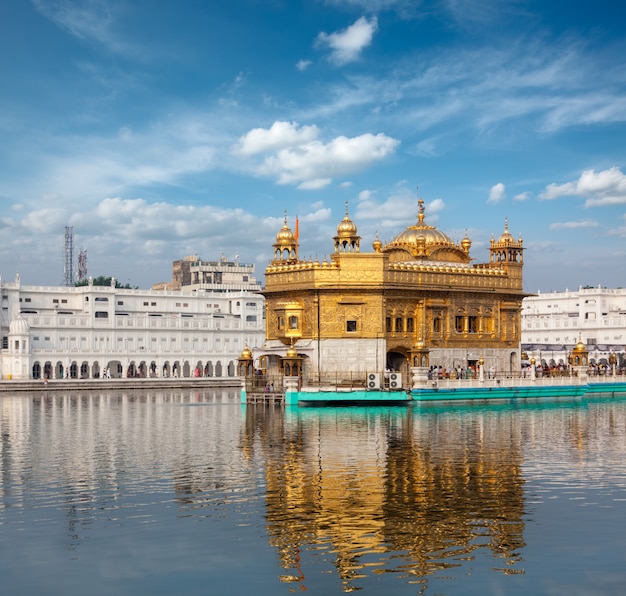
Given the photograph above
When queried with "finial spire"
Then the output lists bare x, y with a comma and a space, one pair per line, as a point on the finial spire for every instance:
420, 208
346, 208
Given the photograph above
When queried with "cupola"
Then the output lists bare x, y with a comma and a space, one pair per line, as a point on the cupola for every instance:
285, 247
347, 239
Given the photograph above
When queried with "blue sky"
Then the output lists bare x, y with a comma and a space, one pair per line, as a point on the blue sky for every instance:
159, 129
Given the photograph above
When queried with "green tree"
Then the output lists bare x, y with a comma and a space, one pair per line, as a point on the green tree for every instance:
103, 280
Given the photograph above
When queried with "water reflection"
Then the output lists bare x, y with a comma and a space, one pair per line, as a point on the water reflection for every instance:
412, 494
138, 489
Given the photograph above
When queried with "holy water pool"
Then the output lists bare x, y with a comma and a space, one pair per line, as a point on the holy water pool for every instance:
189, 492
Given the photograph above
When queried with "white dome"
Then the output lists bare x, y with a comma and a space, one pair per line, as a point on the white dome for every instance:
19, 326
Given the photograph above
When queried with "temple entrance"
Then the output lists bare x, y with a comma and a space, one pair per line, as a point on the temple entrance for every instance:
397, 363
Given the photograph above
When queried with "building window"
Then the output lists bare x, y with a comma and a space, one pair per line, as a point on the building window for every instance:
350, 326
101, 299
437, 325
293, 322
102, 314
472, 324
409, 325
388, 324
399, 326
281, 323
459, 321
28, 300
251, 318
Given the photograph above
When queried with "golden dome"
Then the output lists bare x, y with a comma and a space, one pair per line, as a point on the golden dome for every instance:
466, 243
377, 244
246, 354
506, 237
430, 235
346, 226
285, 236
292, 352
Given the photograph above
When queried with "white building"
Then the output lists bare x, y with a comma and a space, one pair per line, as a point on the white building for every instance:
83, 332
553, 323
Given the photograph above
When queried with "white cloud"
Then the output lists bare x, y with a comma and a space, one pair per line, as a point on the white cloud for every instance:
399, 209
435, 206
347, 44
523, 196
607, 187
92, 21
303, 64
573, 225
278, 136
314, 164
497, 193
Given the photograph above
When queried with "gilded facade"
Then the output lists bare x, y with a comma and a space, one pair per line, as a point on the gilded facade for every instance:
419, 300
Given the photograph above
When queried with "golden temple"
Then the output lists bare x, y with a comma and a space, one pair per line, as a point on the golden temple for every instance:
416, 301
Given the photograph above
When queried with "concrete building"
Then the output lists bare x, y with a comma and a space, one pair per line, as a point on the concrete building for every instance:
192, 273
91, 331
416, 301
552, 323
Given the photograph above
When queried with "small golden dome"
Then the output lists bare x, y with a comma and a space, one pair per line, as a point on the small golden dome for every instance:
466, 243
246, 354
377, 245
580, 346
292, 352
506, 237
346, 226
285, 236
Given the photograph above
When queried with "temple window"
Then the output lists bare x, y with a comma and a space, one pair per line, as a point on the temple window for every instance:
459, 321
350, 326
388, 324
472, 324
409, 324
293, 322
437, 325
399, 326
281, 323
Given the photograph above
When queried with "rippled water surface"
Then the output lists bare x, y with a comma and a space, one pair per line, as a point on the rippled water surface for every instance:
186, 492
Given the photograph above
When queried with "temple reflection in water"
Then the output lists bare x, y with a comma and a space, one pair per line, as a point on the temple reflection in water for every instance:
412, 495
191, 485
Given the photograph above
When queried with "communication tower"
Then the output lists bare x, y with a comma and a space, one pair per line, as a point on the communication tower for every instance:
82, 264
68, 268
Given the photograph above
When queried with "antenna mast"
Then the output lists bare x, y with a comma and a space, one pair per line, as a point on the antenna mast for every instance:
82, 264
68, 268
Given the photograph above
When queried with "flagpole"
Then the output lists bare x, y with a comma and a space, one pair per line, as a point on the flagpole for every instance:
297, 238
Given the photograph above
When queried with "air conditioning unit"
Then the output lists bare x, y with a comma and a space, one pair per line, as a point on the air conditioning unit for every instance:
373, 381
395, 380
